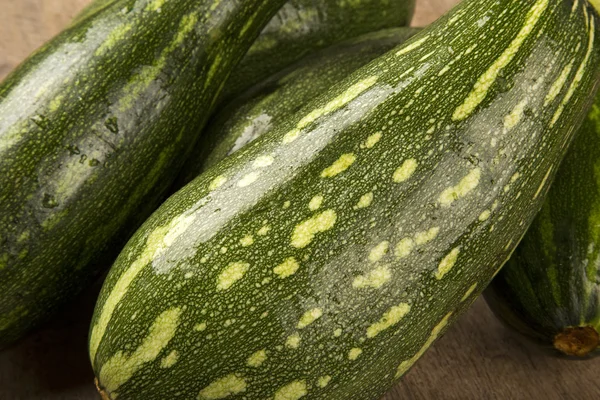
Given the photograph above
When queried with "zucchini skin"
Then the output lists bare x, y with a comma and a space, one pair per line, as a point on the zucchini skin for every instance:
93, 129
269, 103
303, 26
323, 259
551, 283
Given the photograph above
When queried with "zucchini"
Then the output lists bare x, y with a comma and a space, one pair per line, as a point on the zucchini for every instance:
549, 290
93, 129
323, 259
303, 26
270, 102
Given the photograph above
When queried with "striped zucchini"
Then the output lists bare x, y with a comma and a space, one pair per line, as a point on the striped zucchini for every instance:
93, 129
270, 102
550, 289
323, 259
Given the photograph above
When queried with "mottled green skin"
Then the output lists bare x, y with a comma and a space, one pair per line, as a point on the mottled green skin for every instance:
270, 102
196, 234
553, 280
303, 26
91, 136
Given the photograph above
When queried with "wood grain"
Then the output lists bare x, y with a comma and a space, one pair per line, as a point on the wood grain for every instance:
477, 359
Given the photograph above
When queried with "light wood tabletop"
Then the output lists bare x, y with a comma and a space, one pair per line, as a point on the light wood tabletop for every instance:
477, 359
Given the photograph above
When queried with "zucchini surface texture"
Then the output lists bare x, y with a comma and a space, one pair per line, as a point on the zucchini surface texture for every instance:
93, 128
270, 102
323, 259
550, 289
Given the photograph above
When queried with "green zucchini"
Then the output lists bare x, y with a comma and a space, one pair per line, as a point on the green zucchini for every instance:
270, 102
550, 289
324, 258
93, 129
303, 26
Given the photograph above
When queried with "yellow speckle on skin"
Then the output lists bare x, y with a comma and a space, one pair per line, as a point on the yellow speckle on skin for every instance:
372, 140
389, 319
484, 215
485, 81
155, 5
247, 240
55, 103
558, 84
447, 263
248, 179
287, 268
293, 341
337, 103
221, 388
256, 359
464, 187
291, 391
365, 201
350, 94
515, 116
374, 279
213, 70
23, 237
287, 204
121, 367
405, 171
291, 135
200, 327
177, 228
354, 353
539, 190
339, 166
424, 237
405, 365
315, 203
379, 251
309, 317
404, 247
412, 46
305, 231
263, 161
217, 182
115, 37
169, 360
264, 230
469, 292
230, 275
323, 381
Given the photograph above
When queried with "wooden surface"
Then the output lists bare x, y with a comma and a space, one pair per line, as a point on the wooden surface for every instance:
477, 359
